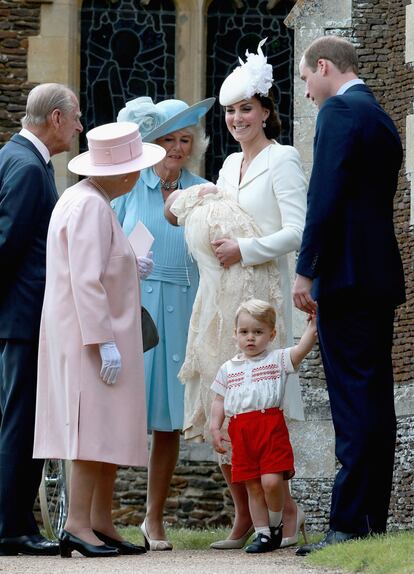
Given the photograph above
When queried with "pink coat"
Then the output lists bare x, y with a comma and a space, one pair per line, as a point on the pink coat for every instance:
92, 296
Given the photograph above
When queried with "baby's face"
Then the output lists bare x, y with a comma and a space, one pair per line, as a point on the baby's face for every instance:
252, 336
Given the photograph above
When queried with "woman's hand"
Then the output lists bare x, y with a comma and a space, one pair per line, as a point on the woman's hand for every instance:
227, 251
111, 362
145, 265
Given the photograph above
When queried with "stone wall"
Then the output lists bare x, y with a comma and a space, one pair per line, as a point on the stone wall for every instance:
379, 30
18, 21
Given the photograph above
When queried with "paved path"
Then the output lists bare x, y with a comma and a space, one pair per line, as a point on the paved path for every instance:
176, 562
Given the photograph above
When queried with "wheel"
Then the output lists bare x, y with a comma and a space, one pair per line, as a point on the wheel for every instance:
53, 496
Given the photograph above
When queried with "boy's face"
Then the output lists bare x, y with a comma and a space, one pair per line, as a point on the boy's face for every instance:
252, 336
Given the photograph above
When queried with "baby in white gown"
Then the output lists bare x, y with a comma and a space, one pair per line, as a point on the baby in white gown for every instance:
221, 290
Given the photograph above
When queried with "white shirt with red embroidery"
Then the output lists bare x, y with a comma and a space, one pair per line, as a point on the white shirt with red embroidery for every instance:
253, 383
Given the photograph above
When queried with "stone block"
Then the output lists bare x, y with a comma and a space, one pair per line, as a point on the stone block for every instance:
409, 156
409, 33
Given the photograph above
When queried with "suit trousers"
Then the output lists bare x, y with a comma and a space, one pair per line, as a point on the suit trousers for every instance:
355, 338
20, 474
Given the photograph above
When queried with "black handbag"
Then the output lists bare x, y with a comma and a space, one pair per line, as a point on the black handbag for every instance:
150, 337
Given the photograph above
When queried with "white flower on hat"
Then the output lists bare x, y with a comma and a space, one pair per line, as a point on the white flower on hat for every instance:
143, 112
252, 77
259, 71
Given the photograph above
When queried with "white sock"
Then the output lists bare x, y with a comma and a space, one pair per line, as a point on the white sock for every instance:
275, 518
262, 530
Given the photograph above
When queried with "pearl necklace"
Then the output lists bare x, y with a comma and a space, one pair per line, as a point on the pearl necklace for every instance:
99, 188
169, 185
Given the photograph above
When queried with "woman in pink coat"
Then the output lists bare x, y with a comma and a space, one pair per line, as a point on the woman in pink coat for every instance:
91, 395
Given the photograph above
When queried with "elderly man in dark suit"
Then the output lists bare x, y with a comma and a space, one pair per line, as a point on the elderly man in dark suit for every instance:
350, 270
27, 197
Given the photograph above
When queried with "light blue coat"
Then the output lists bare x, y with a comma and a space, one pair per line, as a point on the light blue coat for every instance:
168, 294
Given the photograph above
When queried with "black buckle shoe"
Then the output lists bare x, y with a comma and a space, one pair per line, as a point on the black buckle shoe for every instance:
262, 543
276, 533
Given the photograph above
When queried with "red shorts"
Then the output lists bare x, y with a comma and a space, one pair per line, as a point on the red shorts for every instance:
261, 445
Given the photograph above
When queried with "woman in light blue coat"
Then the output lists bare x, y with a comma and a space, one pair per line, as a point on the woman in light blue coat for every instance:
169, 292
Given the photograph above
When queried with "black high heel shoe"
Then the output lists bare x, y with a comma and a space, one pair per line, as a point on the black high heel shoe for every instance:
123, 546
68, 542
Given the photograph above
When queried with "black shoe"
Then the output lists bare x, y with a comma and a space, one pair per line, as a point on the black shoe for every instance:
332, 537
68, 542
31, 544
123, 546
262, 543
276, 534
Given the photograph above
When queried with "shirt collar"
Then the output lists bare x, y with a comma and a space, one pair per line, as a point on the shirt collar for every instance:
348, 85
39, 145
241, 357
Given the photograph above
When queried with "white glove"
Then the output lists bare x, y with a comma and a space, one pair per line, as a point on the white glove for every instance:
145, 265
111, 362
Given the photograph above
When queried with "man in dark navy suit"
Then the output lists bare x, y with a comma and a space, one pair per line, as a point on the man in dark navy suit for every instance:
27, 197
350, 271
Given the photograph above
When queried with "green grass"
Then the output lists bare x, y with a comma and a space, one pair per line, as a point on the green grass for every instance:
391, 554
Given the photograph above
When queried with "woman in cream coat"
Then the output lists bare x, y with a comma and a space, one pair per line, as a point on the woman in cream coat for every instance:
91, 395
267, 181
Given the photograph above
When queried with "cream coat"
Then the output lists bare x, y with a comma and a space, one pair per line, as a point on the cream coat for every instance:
92, 296
273, 192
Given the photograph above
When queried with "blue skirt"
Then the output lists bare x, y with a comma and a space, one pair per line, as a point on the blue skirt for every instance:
170, 306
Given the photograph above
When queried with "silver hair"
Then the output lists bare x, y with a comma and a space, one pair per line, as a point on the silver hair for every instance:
199, 147
45, 98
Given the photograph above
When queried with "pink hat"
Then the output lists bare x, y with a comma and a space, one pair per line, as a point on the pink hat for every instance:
115, 149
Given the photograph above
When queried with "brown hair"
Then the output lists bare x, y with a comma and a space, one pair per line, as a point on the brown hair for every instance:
273, 123
337, 50
260, 310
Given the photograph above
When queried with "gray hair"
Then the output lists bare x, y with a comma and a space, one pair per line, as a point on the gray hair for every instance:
199, 146
45, 98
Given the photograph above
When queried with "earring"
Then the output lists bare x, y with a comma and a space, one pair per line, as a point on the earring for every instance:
263, 124
126, 180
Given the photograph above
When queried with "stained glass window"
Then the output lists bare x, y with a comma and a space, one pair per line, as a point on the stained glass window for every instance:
127, 50
234, 27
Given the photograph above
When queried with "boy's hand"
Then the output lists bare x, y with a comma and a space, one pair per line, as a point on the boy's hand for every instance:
218, 439
313, 330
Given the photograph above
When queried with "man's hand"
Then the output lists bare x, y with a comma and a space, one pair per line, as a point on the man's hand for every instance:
302, 297
227, 251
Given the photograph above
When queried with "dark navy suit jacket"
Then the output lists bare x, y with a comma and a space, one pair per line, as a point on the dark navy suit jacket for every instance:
27, 197
349, 239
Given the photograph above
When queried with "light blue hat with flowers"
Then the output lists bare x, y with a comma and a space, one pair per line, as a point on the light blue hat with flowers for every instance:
157, 120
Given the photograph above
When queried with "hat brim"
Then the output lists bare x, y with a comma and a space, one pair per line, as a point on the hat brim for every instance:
188, 117
151, 155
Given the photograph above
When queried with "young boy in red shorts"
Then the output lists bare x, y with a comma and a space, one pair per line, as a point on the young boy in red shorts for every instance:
249, 389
